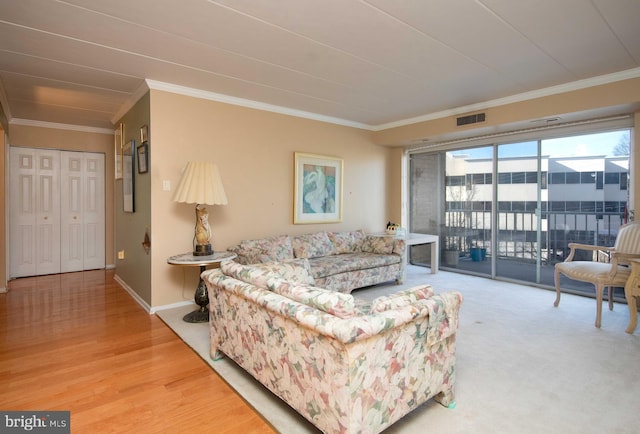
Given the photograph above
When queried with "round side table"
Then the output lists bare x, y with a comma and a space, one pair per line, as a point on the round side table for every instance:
201, 297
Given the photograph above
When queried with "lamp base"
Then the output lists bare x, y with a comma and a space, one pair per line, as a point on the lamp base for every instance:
202, 250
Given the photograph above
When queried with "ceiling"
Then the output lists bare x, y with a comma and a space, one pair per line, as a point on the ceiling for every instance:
370, 63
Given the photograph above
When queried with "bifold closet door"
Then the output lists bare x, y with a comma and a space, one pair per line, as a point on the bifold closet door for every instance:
82, 211
35, 212
57, 217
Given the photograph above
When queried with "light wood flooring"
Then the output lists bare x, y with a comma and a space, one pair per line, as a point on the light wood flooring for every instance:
79, 342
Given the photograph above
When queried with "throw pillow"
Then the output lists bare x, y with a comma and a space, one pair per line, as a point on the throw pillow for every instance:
312, 245
379, 245
346, 242
276, 248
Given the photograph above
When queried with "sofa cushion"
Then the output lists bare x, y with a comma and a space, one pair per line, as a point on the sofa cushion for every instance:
380, 245
293, 270
265, 276
336, 264
312, 245
346, 242
270, 249
401, 298
331, 302
247, 273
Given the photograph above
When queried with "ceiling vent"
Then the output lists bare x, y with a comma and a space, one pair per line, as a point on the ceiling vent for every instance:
471, 119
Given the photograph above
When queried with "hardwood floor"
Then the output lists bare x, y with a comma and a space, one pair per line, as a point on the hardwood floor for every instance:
79, 342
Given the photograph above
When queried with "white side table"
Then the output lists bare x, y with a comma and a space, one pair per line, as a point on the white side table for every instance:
201, 297
413, 239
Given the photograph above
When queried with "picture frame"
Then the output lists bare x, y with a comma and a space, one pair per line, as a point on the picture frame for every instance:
317, 189
144, 134
118, 134
128, 183
143, 158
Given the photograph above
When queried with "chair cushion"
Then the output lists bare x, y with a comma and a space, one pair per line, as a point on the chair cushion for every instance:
596, 272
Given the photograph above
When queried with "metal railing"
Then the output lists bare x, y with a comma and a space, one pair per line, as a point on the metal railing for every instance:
517, 235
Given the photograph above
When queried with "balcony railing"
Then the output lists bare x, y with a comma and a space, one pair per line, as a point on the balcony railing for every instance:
517, 235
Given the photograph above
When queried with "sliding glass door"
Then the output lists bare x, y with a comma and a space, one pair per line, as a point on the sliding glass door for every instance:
510, 210
521, 191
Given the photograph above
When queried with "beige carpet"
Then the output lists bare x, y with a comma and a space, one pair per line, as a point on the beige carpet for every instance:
523, 366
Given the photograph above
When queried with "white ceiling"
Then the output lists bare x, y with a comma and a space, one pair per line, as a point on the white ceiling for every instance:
372, 63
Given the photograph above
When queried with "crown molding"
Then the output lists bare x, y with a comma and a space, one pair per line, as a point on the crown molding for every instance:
553, 90
130, 102
4, 102
57, 126
213, 96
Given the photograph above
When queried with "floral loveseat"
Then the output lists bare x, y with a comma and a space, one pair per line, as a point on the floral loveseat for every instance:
346, 366
340, 261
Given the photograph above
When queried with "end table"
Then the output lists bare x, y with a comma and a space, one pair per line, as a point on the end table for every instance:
201, 297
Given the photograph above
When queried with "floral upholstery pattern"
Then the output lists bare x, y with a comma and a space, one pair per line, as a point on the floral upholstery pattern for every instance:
381, 245
276, 248
296, 270
402, 298
339, 261
356, 374
312, 245
346, 242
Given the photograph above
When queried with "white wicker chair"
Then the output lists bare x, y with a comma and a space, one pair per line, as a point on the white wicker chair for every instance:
602, 274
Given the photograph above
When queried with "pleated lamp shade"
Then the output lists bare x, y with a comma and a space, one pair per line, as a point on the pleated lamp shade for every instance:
200, 184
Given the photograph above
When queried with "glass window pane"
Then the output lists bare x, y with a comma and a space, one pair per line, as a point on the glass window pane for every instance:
572, 177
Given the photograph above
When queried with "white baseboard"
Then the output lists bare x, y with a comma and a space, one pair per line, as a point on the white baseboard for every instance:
3, 290
150, 310
133, 294
110, 267
171, 306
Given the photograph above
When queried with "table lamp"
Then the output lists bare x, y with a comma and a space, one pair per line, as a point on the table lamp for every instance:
201, 184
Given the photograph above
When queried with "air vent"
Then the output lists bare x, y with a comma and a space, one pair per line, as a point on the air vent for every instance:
471, 119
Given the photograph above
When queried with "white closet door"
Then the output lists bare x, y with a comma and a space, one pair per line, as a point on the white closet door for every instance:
94, 212
71, 220
35, 212
82, 211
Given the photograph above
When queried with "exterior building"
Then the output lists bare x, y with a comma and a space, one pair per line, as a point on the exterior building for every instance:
578, 199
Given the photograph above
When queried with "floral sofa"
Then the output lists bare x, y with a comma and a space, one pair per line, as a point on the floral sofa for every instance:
346, 366
340, 261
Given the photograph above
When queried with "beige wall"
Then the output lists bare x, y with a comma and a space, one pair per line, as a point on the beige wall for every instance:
254, 151
51, 138
621, 93
135, 269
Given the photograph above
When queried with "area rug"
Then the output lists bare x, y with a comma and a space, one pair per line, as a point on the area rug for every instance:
522, 365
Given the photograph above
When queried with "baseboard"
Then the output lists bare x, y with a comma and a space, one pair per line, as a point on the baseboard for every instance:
3, 290
150, 310
171, 306
110, 267
133, 294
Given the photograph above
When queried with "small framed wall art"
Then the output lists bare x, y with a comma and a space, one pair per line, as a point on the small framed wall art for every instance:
144, 134
143, 158
128, 166
317, 189
117, 150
